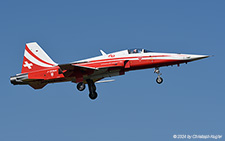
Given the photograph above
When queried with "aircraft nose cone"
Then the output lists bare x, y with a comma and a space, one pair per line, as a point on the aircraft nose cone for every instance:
196, 57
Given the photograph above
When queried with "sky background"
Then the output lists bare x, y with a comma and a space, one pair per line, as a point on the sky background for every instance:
134, 107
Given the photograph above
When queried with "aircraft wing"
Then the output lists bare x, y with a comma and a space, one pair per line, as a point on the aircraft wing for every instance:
75, 67
91, 66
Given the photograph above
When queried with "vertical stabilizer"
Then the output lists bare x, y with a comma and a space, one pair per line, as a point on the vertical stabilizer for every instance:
35, 58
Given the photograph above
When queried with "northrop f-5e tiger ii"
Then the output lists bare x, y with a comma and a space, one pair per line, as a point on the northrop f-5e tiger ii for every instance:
38, 69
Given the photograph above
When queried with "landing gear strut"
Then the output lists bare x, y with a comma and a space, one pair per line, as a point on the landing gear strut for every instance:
159, 79
92, 89
81, 86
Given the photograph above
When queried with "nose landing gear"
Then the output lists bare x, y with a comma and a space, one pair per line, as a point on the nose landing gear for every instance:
159, 79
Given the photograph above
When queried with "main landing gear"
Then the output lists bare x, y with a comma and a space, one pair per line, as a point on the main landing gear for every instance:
159, 79
92, 88
81, 86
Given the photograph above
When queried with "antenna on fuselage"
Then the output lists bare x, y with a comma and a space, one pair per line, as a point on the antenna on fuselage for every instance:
103, 53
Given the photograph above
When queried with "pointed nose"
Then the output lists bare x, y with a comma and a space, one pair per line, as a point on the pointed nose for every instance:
195, 57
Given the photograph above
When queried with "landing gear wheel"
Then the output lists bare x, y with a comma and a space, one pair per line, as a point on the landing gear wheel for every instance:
93, 95
159, 80
92, 89
81, 86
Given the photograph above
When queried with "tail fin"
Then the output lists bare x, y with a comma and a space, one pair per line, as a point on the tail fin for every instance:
35, 58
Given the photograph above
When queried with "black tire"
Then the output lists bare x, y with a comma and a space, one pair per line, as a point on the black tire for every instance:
159, 80
81, 86
94, 87
93, 95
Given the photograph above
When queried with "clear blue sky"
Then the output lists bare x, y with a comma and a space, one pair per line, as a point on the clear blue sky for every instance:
134, 107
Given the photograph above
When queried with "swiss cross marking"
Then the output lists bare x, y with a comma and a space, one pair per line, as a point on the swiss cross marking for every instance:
28, 65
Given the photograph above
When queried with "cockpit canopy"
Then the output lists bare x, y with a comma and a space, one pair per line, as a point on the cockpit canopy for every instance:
138, 50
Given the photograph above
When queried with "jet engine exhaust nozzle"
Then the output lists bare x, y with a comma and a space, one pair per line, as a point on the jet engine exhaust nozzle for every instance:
18, 79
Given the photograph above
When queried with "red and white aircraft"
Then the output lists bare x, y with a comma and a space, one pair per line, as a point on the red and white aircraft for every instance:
39, 69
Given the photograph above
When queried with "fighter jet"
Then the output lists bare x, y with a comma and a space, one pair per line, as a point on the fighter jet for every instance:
38, 69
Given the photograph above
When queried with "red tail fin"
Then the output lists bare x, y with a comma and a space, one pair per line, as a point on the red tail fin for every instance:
35, 58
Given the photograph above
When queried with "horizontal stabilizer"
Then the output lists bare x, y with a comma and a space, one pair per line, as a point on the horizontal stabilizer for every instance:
37, 84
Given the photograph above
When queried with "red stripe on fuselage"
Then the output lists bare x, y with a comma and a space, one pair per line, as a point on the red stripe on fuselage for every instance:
156, 63
92, 62
31, 53
124, 58
137, 62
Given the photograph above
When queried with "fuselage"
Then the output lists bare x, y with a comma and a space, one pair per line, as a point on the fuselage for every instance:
38, 69
106, 65
139, 60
